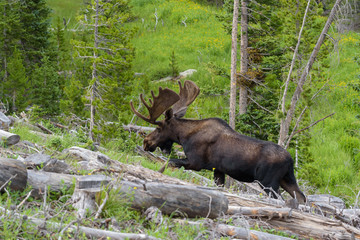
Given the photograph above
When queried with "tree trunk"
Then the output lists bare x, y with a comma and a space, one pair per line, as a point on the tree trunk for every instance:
285, 125
233, 65
93, 88
292, 66
243, 93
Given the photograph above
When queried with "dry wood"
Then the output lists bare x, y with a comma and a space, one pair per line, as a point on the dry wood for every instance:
234, 43
44, 129
269, 212
14, 170
89, 232
9, 138
285, 124
234, 232
40, 180
303, 224
169, 198
86, 189
138, 129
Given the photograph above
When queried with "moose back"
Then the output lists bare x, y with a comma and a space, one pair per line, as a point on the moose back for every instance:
212, 144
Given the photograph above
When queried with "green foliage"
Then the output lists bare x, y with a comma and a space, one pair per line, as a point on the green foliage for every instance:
35, 22
173, 65
46, 89
16, 82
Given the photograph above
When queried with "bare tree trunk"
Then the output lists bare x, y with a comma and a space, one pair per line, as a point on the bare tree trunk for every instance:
284, 127
93, 88
292, 66
233, 65
244, 62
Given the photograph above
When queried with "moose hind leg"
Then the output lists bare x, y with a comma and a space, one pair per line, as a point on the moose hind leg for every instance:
219, 178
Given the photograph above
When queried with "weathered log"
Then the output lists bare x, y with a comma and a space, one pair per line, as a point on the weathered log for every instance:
169, 198
39, 180
303, 224
234, 232
91, 233
11, 168
9, 138
138, 129
260, 211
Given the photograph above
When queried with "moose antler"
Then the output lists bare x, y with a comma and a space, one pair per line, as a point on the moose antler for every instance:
160, 103
188, 94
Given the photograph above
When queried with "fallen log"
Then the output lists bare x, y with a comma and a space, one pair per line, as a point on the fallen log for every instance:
57, 182
138, 129
14, 170
260, 211
169, 198
234, 232
44, 129
306, 225
9, 138
91, 233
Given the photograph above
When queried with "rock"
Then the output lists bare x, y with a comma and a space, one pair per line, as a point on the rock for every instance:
37, 160
57, 166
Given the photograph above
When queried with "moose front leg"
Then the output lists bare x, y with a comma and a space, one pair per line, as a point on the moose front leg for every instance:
183, 162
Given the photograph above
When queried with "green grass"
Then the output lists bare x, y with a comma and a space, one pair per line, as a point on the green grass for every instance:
335, 141
65, 9
198, 44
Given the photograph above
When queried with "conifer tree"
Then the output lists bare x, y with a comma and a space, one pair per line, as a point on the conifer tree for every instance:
35, 22
46, 90
110, 54
16, 81
10, 31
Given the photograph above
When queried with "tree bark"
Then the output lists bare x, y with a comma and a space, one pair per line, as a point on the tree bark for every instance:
233, 65
93, 88
9, 138
14, 170
285, 125
192, 201
292, 64
244, 62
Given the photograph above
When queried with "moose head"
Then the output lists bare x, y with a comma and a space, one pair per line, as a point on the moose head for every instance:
163, 136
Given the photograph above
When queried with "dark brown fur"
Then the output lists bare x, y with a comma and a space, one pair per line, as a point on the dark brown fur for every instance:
211, 144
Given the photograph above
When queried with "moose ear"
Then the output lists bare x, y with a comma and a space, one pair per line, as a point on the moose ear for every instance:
168, 114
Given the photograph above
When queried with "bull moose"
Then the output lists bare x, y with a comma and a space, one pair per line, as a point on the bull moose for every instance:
212, 144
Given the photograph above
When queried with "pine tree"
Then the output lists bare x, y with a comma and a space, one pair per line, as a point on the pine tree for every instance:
10, 31
110, 54
15, 83
35, 22
46, 89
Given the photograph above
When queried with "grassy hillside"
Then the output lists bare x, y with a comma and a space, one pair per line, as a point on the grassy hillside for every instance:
191, 31
66, 9
335, 143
